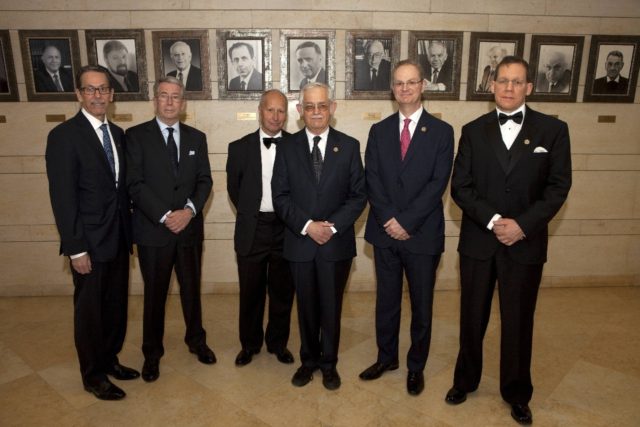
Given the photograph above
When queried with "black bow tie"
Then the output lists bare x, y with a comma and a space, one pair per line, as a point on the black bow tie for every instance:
504, 118
268, 141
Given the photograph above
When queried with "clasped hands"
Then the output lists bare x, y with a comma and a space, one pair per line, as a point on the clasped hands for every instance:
320, 231
395, 230
507, 231
177, 220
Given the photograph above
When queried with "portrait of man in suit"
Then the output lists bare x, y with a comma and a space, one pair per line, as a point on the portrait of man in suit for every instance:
117, 59
86, 168
242, 59
408, 161
318, 191
439, 70
373, 70
259, 235
186, 70
311, 62
169, 182
554, 75
52, 72
495, 53
612, 82
511, 175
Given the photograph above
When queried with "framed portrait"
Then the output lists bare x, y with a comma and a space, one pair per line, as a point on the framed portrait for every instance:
486, 52
555, 67
244, 63
612, 74
440, 55
370, 57
184, 55
306, 56
50, 59
8, 85
123, 54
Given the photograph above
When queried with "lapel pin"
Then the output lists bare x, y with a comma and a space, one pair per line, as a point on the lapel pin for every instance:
526, 142
335, 149
423, 128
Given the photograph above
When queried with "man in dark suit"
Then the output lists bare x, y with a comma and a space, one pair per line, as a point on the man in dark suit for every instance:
116, 56
242, 58
439, 71
259, 235
311, 63
373, 72
495, 54
555, 75
613, 82
86, 171
408, 161
52, 77
318, 191
511, 175
186, 72
169, 180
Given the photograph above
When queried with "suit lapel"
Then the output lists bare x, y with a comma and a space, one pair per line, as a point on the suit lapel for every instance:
161, 146
494, 139
304, 155
94, 142
331, 153
254, 160
522, 141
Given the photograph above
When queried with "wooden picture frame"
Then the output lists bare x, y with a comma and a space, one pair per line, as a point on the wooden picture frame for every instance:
8, 84
555, 67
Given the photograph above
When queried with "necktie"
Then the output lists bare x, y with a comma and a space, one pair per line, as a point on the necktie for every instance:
434, 76
180, 77
504, 118
268, 141
108, 150
405, 138
316, 157
243, 85
374, 75
173, 151
56, 80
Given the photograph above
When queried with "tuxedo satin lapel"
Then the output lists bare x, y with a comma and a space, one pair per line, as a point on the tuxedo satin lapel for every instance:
526, 134
494, 138
419, 137
255, 160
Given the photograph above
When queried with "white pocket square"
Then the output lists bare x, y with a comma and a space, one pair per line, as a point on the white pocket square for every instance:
540, 150
193, 153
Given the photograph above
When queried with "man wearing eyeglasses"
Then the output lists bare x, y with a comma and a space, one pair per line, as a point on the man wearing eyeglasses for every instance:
169, 181
408, 161
373, 72
511, 175
318, 191
87, 173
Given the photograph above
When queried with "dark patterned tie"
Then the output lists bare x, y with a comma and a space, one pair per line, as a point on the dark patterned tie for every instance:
243, 85
434, 76
180, 77
108, 150
173, 151
56, 80
316, 157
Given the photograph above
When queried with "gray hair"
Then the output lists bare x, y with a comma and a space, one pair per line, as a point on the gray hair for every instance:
168, 79
311, 86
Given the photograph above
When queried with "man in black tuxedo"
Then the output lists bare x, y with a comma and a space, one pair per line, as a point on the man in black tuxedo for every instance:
169, 180
243, 60
259, 235
408, 162
613, 82
318, 191
373, 71
116, 56
86, 171
439, 71
188, 74
52, 77
311, 63
511, 175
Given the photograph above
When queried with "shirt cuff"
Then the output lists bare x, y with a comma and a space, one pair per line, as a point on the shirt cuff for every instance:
77, 255
191, 206
164, 217
493, 219
334, 229
304, 229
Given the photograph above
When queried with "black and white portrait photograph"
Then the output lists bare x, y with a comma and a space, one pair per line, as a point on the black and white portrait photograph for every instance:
486, 52
555, 66
613, 69
8, 86
440, 56
50, 59
122, 53
308, 56
185, 56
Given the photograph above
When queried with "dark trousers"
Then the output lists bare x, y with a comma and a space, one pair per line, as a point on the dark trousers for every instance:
420, 269
100, 315
319, 290
518, 290
156, 265
264, 270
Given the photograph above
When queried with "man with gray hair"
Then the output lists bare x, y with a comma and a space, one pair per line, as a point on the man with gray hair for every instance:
373, 71
495, 54
186, 72
116, 56
554, 76
439, 70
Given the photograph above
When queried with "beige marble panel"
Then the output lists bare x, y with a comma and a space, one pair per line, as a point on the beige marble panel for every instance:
25, 193
617, 162
542, 24
187, 19
594, 8
429, 21
619, 25
601, 195
610, 227
583, 255
33, 268
495, 7
311, 19
257, 4
15, 233
373, 5
579, 161
64, 19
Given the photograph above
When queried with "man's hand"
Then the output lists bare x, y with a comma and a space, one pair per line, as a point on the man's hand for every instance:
507, 231
320, 231
82, 264
395, 230
178, 220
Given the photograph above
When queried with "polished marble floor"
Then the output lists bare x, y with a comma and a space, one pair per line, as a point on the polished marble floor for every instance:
586, 369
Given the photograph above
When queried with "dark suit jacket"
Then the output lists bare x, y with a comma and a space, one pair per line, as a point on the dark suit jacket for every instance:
445, 76
155, 190
339, 197
44, 83
244, 185
519, 183
130, 79
194, 79
255, 82
363, 76
89, 209
411, 190
322, 78
602, 86
562, 86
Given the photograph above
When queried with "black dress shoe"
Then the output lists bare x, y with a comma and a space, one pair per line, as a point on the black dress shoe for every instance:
150, 370
121, 372
376, 370
284, 356
245, 357
455, 396
303, 375
330, 379
105, 390
521, 413
415, 383
205, 354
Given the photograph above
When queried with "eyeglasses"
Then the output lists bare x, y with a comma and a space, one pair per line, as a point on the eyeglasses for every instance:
410, 84
515, 83
165, 97
91, 90
322, 107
